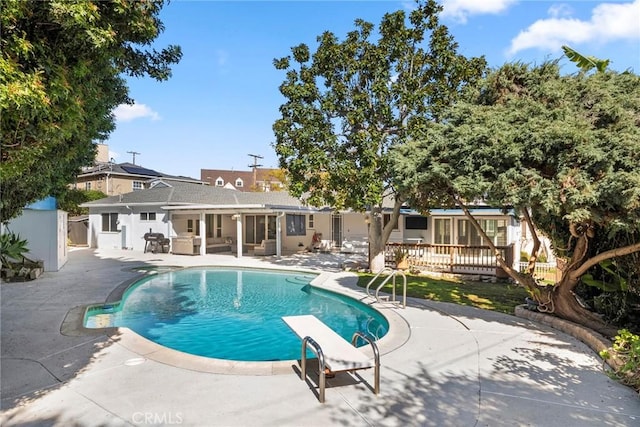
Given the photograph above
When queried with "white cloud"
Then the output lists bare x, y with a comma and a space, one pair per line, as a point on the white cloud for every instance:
459, 10
126, 112
560, 10
609, 21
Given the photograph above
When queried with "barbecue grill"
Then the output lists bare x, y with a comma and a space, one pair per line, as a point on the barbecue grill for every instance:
155, 242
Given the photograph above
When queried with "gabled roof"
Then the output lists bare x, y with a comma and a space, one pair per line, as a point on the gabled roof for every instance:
230, 177
211, 175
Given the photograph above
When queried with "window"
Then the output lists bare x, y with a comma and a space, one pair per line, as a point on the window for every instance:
467, 234
311, 221
87, 185
137, 185
254, 231
271, 227
147, 216
415, 223
109, 222
190, 225
239, 182
219, 182
442, 231
386, 218
496, 230
296, 225
218, 225
259, 228
208, 219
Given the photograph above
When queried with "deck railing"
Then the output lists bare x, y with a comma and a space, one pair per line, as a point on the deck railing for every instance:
450, 258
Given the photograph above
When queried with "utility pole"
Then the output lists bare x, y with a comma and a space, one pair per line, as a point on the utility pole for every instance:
134, 155
255, 167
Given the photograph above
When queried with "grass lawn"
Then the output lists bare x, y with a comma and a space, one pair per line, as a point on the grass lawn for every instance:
502, 297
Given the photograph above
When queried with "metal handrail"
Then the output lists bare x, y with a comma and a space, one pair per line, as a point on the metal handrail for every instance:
310, 343
388, 269
315, 347
376, 358
393, 275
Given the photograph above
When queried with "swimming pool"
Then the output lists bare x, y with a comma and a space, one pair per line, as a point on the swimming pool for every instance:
232, 314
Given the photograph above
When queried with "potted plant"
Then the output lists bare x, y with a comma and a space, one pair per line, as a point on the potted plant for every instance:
400, 257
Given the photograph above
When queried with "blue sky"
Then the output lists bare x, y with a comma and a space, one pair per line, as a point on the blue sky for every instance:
223, 97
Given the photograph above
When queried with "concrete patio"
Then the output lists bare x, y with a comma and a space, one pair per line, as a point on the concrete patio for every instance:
458, 366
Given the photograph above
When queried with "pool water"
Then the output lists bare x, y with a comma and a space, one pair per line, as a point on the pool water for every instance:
233, 314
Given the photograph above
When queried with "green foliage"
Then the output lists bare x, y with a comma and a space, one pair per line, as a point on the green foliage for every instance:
586, 63
351, 101
72, 198
524, 257
60, 79
12, 249
611, 277
619, 308
626, 347
400, 254
566, 148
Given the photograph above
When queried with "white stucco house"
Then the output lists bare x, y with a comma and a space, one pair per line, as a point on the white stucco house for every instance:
198, 219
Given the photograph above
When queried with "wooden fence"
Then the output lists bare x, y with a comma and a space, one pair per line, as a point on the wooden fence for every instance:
451, 258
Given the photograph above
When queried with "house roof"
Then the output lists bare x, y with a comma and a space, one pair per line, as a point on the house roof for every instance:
230, 177
184, 195
131, 170
211, 175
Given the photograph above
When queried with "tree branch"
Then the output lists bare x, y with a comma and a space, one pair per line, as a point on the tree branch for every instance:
613, 253
536, 242
395, 214
501, 262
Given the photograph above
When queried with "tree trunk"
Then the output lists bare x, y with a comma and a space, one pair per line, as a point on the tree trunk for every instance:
379, 234
377, 262
376, 248
560, 299
566, 306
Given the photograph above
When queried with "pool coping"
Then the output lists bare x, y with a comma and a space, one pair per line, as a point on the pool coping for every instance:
73, 325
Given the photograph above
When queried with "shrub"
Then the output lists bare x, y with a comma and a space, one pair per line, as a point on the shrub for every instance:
626, 348
12, 249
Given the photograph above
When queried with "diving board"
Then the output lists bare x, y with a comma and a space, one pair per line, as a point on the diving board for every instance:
334, 352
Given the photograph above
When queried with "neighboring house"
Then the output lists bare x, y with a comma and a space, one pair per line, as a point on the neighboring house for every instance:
120, 178
260, 179
199, 219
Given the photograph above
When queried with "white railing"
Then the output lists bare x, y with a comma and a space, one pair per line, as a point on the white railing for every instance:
543, 270
450, 258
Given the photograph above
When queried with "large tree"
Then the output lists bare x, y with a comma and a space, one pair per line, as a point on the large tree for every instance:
61, 75
351, 101
561, 150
